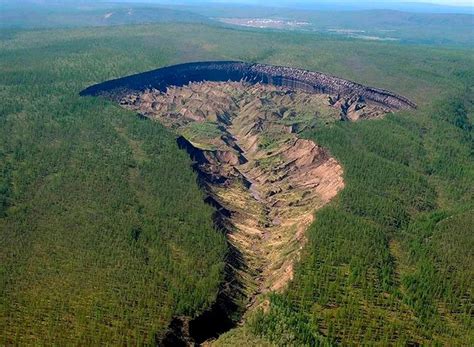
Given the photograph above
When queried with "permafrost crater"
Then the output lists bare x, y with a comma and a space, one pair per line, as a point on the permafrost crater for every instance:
240, 122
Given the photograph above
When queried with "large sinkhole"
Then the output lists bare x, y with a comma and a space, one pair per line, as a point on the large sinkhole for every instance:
242, 126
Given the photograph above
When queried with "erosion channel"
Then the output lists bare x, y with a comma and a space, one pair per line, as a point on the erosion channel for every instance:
240, 123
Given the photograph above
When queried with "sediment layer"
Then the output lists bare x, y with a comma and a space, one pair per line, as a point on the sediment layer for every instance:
293, 78
240, 122
253, 166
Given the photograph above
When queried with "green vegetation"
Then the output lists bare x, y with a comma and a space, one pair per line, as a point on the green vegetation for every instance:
372, 25
104, 235
306, 119
16, 14
271, 140
378, 25
103, 232
202, 131
391, 259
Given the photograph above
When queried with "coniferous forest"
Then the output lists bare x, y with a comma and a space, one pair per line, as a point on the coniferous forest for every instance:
105, 236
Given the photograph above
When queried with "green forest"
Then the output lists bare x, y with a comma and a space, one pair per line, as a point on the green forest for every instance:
391, 259
104, 234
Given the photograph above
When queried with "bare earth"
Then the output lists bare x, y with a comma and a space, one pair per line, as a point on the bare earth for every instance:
265, 181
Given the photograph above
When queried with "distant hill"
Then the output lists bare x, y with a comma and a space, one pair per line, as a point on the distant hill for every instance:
82, 14
349, 21
407, 27
328, 5
420, 7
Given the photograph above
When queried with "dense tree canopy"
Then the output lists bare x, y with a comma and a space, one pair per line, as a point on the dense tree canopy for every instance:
104, 235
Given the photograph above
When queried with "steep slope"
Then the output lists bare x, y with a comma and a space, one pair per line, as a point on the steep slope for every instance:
253, 166
264, 181
240, 122
295, 79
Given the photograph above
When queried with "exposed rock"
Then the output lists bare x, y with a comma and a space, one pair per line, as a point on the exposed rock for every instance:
263, 180
292, 78
254, 166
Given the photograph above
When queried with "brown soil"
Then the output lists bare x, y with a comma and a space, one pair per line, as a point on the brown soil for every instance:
265, 181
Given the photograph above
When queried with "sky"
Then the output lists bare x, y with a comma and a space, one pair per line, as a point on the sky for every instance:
315, 2
443, 2
453, 2
366, 3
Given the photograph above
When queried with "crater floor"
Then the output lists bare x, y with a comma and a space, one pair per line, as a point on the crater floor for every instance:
265, 181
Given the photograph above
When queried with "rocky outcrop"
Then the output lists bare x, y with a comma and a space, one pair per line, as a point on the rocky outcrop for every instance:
292, 78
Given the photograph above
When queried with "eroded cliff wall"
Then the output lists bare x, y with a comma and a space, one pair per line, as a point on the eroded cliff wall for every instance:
240, 123
297, 79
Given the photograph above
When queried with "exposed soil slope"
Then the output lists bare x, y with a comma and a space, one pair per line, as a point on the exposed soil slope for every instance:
240, 123
267, 182
222, 71
264, 181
